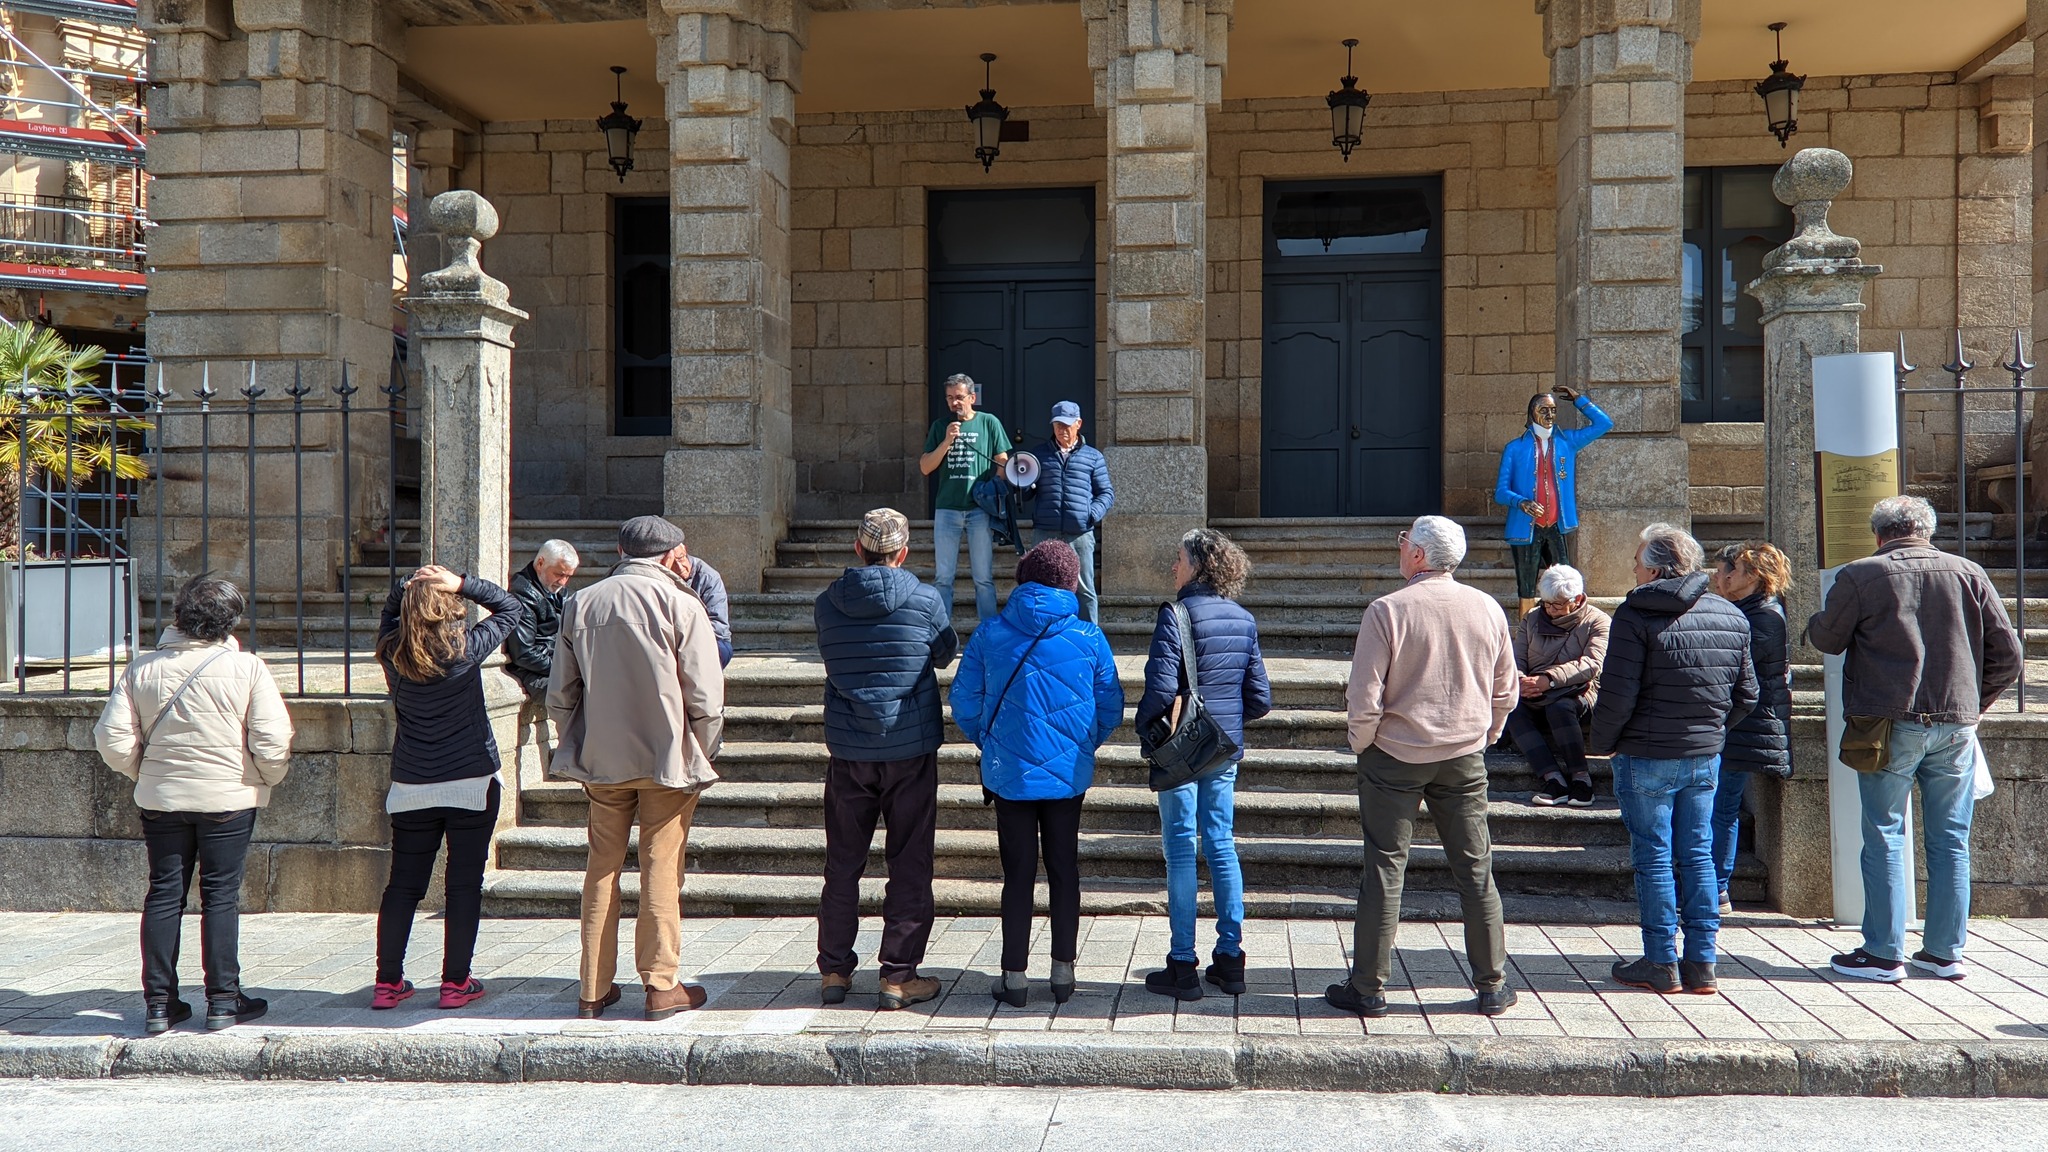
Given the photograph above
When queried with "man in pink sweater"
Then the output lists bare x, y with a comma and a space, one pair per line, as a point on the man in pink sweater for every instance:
1432, 683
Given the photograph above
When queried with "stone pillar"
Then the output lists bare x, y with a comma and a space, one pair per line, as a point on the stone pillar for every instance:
2037, 31
463, 325
270, 154
1618, 71
1158, 67
730, 69
1812, 295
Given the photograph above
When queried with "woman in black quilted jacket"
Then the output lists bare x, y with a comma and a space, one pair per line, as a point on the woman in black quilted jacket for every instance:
1754, 575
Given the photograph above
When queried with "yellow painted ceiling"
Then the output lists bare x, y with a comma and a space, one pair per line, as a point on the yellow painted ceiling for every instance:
927, 57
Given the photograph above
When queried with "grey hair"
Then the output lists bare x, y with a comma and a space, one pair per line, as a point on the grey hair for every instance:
1898, 516
555, 552
1442, 542
1670, 551
1560, 582
962, 380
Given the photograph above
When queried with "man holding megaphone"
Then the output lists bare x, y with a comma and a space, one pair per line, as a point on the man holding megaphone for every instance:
1074, 494
960, 449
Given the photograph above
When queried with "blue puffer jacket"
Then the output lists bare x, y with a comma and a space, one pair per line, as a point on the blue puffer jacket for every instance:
1073, 494
1228, 667
882, 634
1064, 702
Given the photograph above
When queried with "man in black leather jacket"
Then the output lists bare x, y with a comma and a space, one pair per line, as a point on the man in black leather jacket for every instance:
530, 651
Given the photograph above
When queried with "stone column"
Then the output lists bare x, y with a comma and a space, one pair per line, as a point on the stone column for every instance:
2037, 31
1812, 295
1618, 71
1158, 67
730, 69
463, 324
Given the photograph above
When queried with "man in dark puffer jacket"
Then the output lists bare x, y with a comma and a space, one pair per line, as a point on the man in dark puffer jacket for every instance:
883, 636
1677, 676
1073, 494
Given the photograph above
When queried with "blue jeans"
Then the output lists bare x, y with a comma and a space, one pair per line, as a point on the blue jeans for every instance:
1084, 547
1727, 822
1668, 806
1938, 756
947, 526
1204, 808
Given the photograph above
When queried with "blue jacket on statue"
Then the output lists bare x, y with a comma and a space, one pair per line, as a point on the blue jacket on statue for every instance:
1518, 471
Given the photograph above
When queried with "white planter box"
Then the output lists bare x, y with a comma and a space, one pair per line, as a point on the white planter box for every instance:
38, 587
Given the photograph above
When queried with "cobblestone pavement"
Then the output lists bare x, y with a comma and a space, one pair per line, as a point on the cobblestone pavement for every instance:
77, 974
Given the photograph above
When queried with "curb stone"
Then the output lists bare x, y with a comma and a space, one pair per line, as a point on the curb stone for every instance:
1489, 1066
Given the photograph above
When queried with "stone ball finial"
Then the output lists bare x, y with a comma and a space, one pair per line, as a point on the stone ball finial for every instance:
463, 213
1811, 174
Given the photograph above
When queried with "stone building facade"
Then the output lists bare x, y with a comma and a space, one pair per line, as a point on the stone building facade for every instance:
801, 248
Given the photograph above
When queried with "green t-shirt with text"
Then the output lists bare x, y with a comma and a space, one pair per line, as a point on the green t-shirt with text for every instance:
981, 440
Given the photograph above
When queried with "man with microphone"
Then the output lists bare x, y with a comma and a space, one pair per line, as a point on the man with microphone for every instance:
1074, 494
960, 450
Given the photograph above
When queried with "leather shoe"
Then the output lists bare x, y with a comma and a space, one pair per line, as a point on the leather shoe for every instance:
663, 1003
592, 1009
915, 990
1343, 996
163, 1017
1495, 1002
832, 988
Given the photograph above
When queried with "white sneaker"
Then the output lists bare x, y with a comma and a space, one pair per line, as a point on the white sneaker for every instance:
1934, 965
1863, 966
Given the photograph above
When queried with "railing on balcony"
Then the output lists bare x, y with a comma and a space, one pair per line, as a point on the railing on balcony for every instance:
75, 126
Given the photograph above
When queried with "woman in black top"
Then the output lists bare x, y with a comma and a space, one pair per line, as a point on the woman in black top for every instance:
444, 767
1754, 576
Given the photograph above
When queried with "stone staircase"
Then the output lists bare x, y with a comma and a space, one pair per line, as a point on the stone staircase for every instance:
757, 843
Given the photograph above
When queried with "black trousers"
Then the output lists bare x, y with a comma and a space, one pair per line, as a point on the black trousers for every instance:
217, 845
904, 795
1551, 735
416, 838
1546, 546
1023, 828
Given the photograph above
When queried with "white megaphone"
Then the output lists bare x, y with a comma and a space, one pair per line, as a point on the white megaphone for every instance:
1021, 470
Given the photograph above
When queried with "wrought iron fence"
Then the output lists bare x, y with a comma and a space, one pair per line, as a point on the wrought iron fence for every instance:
1962, 391
277, 475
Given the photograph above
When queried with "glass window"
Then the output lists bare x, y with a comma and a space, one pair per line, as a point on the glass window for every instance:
640, 317
1733, 219
1352, 222
1024, 226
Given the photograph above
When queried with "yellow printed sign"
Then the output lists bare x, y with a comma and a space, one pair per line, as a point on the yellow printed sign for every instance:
1849, 486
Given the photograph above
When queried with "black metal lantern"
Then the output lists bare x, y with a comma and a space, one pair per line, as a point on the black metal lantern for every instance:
619, 128
1780, 91
1347, 109
987, 117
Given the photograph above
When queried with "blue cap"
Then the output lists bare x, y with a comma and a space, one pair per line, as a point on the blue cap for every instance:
1066, 412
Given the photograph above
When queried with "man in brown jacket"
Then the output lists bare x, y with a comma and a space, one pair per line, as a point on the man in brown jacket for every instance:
1432, 682
638, 698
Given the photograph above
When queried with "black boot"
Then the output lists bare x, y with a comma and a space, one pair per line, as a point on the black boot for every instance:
1227, 972
1179, 979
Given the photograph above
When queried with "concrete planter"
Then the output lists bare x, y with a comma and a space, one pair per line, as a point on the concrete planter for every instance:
39, 626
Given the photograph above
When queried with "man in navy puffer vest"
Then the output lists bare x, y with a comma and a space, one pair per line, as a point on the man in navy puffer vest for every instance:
883, 636
1074, 494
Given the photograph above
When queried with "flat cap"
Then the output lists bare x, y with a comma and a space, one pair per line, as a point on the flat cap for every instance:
648, 536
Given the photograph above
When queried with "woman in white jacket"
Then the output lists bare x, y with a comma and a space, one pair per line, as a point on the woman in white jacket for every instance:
199, 726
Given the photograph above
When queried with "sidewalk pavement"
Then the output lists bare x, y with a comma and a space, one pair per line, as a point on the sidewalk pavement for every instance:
70, 1005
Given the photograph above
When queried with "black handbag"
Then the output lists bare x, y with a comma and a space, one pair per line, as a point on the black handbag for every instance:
1190, 742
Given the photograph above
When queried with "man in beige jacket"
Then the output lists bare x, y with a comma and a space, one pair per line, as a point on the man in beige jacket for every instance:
1432, 682
638, 698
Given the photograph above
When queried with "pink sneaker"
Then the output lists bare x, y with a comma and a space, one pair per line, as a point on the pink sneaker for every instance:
459, 995
388, 995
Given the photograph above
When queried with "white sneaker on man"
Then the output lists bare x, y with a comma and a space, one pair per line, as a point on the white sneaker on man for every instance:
1934, 965
1863, 966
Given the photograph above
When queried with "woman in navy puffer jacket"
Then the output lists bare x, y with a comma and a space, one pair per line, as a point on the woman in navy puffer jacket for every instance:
1208, 575
1037, 691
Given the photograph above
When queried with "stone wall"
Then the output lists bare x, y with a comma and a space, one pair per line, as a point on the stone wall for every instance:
71, 838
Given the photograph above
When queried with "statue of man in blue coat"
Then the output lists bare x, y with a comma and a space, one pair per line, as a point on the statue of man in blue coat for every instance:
1538, 484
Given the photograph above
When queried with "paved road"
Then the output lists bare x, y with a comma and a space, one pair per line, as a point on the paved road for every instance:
191, 1116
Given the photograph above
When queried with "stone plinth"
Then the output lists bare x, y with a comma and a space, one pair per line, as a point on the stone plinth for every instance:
1812, 295
462, 323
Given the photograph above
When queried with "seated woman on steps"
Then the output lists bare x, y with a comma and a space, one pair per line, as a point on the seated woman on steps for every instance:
1559, 648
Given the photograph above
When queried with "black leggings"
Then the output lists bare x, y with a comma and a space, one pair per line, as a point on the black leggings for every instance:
415, 840
1021, 827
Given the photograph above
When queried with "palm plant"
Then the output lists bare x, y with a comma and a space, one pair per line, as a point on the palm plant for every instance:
67, 435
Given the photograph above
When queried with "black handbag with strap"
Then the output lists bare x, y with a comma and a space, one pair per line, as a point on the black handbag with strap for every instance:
1192, 742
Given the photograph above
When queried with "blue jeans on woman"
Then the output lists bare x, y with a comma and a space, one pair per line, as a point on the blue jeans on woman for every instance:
1203, 809
948, 525
1939, 758
1727, 822
1668, 808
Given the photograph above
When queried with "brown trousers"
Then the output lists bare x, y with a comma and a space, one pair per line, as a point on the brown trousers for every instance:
1391, 794
664, 818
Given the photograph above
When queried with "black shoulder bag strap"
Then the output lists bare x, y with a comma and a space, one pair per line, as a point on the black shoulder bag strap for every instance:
989, 729
1189, 659
143, 745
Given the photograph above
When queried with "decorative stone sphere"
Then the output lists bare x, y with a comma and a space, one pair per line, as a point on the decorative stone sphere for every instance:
463, 213
1811, 174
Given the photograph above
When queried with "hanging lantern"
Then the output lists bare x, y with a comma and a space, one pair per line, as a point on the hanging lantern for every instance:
619, 128
1347, 109
988, 117
1780, 91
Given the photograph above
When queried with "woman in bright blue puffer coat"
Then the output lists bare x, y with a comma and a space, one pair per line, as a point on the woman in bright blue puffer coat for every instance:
1037, 691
